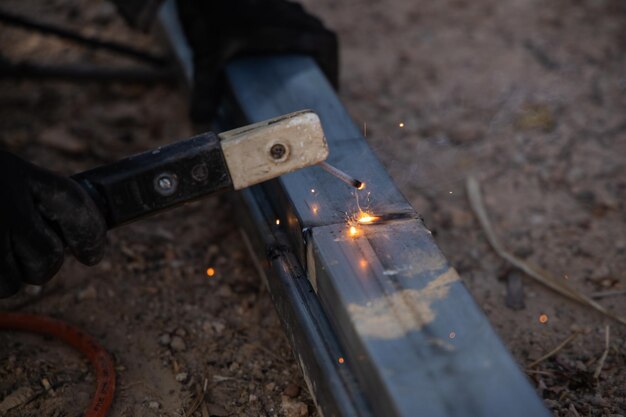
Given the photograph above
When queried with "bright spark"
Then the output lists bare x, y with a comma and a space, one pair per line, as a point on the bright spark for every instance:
277, 221
361, 187
210, 272
401, 124
340, 360
353, 231
543, 319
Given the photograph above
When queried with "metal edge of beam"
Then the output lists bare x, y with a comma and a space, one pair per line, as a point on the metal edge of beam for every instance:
314, 344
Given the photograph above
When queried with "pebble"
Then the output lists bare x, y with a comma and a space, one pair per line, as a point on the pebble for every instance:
252, 398
33, 289
460, 217
291, 408
88, 293
270, 386
178, 344
165, 339
466, 133
154, 405
62, 140
514, 291
292, 390
218, 327
181, 376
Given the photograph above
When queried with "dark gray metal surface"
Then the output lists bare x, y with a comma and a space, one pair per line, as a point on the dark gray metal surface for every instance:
414, 338
315, 345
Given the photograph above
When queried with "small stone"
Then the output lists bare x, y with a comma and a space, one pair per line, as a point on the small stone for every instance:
466, 133
536, 117
212, 251
291, 408
252, 398
178, 344
88, 293
270, 386
165, 339
216, 410
292, 390
33, 290
218, 327
181, 376
514, 291
46, 384
154, 405
460, 217
62, 140
181, 332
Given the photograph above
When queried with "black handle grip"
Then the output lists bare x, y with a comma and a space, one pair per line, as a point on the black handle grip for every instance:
151, 181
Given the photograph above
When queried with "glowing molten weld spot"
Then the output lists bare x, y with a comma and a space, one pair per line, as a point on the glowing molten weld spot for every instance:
340, 360
353, 231
277, 221
543, 318
361, 187
366, 218
210, 272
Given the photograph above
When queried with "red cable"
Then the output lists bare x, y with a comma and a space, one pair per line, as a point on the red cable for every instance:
99, 358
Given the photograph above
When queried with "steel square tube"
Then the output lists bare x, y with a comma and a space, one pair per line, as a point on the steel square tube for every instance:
413, 340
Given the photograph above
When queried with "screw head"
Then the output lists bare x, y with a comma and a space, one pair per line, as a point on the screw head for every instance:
278, 151
165, 183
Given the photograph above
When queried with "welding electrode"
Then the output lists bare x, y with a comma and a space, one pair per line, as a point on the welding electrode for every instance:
337, 173
192, 168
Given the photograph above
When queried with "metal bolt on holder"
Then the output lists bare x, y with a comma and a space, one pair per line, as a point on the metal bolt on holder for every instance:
165, 183
278, 151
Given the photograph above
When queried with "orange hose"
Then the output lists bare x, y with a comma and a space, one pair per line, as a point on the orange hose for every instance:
79, 340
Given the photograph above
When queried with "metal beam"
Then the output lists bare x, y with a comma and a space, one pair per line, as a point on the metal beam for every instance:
409, 330
379, 322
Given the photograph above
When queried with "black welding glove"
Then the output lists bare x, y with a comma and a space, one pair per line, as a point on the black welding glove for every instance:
221, 30
40, 213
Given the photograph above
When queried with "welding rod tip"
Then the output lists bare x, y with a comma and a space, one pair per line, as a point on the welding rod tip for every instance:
337, 173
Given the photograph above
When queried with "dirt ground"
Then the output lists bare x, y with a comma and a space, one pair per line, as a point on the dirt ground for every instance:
528, 97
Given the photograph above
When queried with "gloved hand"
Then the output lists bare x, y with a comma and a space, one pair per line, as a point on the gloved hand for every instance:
220, 30
40, 213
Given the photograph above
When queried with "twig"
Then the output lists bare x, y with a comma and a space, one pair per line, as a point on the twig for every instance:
199, 399
541, 275
555, 350
603, 294
534, 371
607, 340
573, 410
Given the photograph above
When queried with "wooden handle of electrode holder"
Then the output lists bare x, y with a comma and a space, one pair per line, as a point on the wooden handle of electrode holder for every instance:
268, 149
